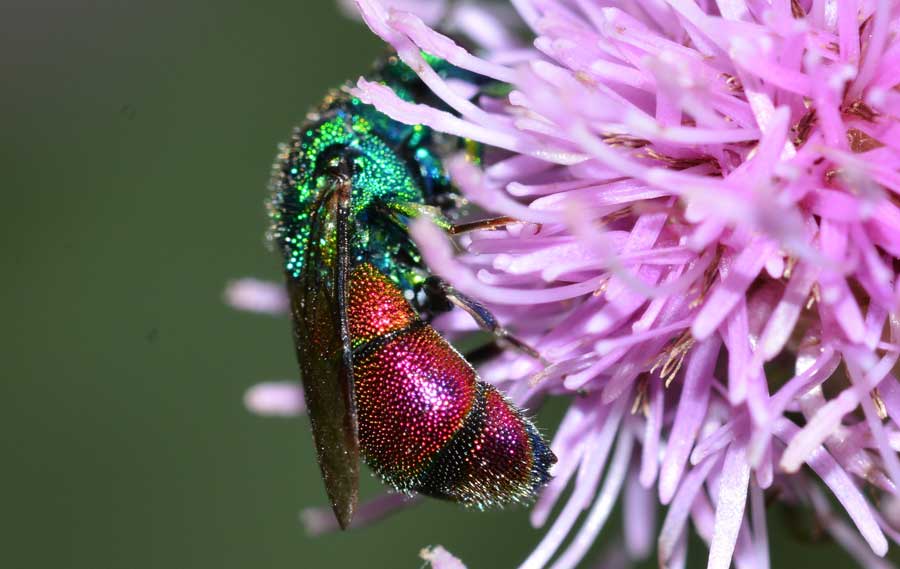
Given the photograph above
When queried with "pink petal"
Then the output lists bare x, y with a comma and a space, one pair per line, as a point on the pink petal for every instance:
760, 532
743, 270
318, 521
639, 517
275, 399
843, 488
732, 499
585, 486
784, 318
689, 415
673, 528
440, 558
257, 296
650, 448
603, 505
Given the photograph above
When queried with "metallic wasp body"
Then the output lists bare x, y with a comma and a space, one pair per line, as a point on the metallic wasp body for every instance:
379, 381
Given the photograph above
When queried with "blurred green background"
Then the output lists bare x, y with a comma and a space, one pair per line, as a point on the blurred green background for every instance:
137, 141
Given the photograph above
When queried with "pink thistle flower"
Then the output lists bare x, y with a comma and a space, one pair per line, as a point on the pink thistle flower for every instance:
708, 259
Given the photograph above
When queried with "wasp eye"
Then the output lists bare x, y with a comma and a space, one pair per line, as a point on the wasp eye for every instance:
346, 162
337, 159
357, 163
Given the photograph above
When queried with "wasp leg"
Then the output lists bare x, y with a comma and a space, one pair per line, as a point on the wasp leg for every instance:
483, 353
441, 294
413, 210
482, 224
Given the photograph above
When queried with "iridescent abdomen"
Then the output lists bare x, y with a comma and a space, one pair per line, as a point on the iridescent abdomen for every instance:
413, 394
426, 422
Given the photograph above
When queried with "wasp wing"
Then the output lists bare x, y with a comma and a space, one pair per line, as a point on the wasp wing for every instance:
321, 337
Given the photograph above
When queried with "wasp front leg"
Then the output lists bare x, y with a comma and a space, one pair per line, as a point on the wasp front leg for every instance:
485, 319
414, 210
436, 295
488, 224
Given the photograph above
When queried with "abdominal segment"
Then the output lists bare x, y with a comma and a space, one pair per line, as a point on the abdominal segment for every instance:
427, 424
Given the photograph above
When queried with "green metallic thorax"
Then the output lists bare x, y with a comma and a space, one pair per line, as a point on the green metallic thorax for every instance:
395, 165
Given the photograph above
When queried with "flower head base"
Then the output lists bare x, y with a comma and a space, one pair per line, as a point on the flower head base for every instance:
708, 254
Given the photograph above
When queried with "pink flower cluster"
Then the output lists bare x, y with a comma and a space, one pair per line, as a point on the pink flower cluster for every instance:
707, 261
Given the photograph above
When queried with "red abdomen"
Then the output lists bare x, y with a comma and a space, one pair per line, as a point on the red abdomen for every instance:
426, 422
